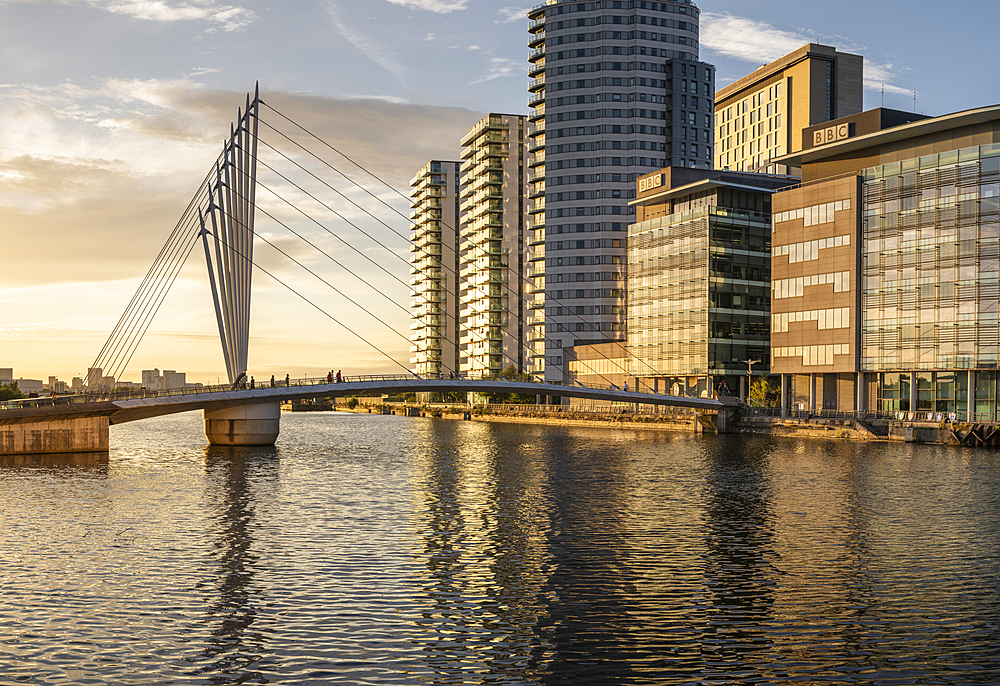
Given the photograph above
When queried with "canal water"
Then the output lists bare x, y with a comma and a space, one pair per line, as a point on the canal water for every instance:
384, 550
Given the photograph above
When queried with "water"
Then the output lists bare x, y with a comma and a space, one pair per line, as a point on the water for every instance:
383, 550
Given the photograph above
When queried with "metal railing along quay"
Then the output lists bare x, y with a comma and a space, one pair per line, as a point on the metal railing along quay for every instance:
121, 394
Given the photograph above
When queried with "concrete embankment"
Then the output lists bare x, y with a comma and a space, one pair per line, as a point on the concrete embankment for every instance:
812, 427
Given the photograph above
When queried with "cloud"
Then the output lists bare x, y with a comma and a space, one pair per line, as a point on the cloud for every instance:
378, 53
746, 39
439, 6
227, 17
755, 41
509, 15
878, 76
95, 178
501, 67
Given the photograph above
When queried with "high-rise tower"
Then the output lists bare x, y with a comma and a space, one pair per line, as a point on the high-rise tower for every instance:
435, 217
491, 246
617, 92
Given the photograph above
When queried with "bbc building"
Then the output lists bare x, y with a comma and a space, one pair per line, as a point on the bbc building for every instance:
886, 267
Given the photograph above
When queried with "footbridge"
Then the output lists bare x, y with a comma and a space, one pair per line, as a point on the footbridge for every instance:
304, 177
250, 416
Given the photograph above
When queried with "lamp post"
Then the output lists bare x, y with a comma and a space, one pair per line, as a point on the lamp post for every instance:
749, 364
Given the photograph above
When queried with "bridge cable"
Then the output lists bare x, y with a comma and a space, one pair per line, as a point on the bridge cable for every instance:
147, 299
322, 252
522, 278
348, 244
407, 311
314, 305
133, 323
154, 274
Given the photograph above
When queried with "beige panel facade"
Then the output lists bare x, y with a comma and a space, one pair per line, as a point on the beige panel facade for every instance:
815, 279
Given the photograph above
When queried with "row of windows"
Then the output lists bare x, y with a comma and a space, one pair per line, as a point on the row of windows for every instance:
598, 83
579, 162
583, 326
614, 66
588, 211
583, 260
813, 355
597, 21
622, 5
809, 250
597, 114
792, 288
835, 318
589, 195
585, 293
583, 245
601, 366
814, 215
655, 162
584, 228
583, 310
616, 145
607, 97
615, 35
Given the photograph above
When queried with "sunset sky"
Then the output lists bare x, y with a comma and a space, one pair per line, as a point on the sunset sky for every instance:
113, 111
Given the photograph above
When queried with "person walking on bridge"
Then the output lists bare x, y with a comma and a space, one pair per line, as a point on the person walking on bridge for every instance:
287, 384
272, 380
329, 377
338, 376
251, 383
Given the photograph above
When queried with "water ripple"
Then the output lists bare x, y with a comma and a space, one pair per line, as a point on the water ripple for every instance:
383, 550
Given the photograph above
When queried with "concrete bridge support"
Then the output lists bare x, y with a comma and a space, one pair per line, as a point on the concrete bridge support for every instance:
247, 425
53, 435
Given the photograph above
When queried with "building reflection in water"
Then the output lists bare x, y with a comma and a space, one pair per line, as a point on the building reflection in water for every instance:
235, 477
481, 523
88, 460
739, 565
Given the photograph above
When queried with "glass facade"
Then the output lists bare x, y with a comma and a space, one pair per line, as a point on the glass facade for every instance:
699, 293
931, 269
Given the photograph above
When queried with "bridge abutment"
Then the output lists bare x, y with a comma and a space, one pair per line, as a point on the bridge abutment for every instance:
55, 436
248, 425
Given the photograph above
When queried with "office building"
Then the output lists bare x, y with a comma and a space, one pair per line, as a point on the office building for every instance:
492, 247
885, 266
435, 219
173, 380
6, 375
762, 116
617, 91
152, 380
699, 260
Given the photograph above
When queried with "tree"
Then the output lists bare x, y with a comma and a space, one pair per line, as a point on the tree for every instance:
511, 373
10, 392
765, 392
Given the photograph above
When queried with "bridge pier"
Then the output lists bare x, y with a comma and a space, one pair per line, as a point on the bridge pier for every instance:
51, 435
247, 425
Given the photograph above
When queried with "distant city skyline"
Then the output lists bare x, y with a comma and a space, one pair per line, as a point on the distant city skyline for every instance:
113, 112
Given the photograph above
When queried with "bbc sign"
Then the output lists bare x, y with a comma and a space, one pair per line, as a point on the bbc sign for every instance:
831, 134
650, 182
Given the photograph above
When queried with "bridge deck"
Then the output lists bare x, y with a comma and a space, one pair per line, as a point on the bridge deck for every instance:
144, 405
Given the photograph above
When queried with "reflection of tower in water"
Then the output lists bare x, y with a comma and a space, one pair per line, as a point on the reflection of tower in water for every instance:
234, 476
739, 546
483, 546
